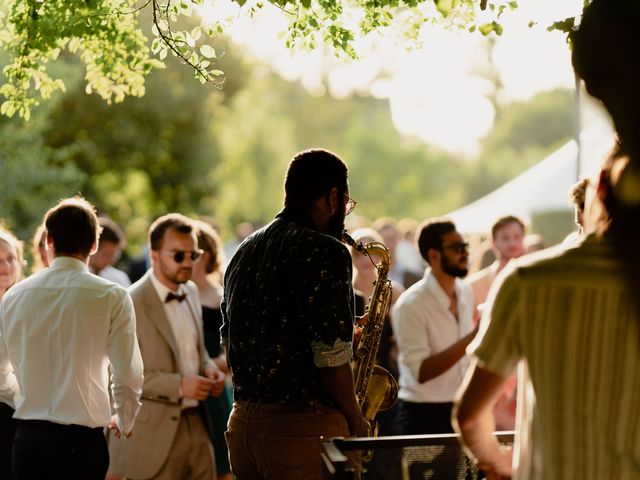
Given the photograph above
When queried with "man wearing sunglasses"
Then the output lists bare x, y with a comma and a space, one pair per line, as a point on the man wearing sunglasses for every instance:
288, 313
171, 441
432, 321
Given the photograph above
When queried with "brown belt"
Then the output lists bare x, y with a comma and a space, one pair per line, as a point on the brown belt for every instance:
278, 408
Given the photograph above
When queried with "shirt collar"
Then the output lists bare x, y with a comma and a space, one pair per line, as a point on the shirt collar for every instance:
438, 292
162, 290
68, 262
297, 215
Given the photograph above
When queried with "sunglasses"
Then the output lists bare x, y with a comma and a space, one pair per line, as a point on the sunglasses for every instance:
458, 247
179, 255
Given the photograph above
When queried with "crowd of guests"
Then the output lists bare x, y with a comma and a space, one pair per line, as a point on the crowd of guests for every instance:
434, 316
116, 383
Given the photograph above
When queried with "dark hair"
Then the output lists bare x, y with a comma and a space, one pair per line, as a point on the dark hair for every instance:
170, 221
605, 54
503, 222
209, 241
622, 213
430, 233
111, 232
73, 226
312, 174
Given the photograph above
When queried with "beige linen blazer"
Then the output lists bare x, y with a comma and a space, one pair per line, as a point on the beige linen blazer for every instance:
143, 454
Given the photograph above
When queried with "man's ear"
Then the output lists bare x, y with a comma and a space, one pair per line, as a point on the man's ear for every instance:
333, 200
94, 248
434, 256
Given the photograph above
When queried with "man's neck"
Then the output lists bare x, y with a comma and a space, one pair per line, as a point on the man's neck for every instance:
166, 282
447, 282
77, 256
502, 262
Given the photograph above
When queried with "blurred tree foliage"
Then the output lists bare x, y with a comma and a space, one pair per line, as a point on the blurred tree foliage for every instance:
523, 134
118, 50
222, 153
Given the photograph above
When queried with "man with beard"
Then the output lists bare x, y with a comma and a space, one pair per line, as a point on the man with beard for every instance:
288, 313
433, 324
170, 441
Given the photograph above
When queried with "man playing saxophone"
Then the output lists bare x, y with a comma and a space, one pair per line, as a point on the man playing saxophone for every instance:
288, 326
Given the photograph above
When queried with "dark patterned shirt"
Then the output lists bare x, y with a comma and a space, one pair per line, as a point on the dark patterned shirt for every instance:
287, 301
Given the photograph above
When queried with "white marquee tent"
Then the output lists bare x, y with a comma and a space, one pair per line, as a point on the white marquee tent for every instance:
543, 187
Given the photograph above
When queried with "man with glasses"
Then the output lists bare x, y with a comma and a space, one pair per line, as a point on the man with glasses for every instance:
171, 439
288, 313
432, 322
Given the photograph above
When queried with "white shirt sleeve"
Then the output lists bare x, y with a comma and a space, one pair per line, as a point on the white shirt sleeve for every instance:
126, 364
8, 382
412, 336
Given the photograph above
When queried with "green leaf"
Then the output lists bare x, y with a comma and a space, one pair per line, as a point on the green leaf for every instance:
445, 7
487, 28
208, 51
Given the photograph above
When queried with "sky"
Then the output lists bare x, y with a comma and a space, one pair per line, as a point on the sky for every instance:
437, 92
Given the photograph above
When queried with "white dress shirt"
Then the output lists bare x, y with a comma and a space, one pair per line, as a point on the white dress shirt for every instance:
184, 331
62, 329
423, 326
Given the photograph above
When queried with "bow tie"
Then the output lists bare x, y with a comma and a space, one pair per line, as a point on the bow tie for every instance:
173, 296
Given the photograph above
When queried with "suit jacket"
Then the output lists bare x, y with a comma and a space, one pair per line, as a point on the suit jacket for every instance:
143, 454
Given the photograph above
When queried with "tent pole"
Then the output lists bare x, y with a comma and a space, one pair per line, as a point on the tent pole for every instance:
577, 125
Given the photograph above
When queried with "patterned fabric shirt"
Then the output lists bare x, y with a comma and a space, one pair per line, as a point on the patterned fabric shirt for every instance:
288, 309
569, 315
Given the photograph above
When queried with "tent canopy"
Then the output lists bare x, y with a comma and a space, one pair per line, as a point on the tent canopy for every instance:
543, 187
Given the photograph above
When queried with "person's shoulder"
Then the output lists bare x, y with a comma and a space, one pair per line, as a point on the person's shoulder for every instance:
412, 294
553, 259
485, 275
138, 288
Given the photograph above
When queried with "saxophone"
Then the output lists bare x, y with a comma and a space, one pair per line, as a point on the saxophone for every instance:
376, 389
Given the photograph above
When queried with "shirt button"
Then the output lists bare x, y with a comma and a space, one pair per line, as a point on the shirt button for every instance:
174, 418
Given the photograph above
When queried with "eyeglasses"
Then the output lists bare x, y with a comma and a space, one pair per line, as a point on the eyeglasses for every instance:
179, 255
349, 204
458, 247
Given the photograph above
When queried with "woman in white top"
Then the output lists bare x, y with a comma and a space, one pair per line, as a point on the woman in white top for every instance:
10, 273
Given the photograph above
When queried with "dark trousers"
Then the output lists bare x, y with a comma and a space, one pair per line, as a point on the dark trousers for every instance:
424, 418
47, 450
7, 432
440, 462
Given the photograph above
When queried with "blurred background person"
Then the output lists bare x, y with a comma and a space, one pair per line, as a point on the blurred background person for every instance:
110, 245
388, 230
207, 275
39, 254
507, 235
10, 273
410, 263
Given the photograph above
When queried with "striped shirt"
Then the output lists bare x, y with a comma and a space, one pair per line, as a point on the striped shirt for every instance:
569, 315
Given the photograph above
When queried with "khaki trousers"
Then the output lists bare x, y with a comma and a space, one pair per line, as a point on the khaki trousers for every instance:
272, 442
191, 455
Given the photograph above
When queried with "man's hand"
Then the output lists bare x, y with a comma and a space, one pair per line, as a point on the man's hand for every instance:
217, 376
359, 426
113, 426
500, 467
196, 387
